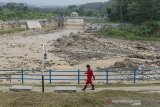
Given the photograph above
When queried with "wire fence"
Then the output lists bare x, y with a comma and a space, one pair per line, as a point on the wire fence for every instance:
78, 76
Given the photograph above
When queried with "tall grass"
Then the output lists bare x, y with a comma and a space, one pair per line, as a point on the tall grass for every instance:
84, 99
146, 31
12, 31
116, 33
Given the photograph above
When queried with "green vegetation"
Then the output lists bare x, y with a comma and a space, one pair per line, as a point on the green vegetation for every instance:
97, 99
119, 34
122, 34
12, 30
14, 11
90, 9
135, 11
143, 14
145, 31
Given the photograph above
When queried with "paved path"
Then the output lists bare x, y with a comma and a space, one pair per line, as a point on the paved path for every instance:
148, 89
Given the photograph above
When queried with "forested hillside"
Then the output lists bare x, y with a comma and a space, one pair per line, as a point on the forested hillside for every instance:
1, 3
135, 11
91, 9
143, 14
14, 11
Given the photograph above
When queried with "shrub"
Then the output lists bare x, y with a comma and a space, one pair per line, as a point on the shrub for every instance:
146, 29
12, 30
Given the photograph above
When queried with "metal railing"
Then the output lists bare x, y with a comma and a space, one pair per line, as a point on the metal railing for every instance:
77, 76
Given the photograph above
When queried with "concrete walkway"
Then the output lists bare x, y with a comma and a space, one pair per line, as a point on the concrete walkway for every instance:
148, 89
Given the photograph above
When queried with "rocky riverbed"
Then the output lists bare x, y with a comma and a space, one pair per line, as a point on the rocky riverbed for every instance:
68, 48
81, 47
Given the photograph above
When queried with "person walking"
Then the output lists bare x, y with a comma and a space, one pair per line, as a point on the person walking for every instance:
90, 75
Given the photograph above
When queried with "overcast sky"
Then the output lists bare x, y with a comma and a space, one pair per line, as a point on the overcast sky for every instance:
53, 2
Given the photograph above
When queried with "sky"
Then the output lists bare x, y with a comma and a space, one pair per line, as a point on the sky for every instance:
53, 2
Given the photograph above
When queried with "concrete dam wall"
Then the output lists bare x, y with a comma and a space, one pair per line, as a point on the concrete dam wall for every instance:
28, 24
38, 24
75, 21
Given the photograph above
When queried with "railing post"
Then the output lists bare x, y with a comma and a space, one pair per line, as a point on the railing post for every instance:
78, 76
42, 83
107, 74
22, 72
50, 76
10, 78
135, 70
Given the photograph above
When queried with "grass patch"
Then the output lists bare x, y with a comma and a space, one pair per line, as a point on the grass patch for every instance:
97, 99
12, 31
117, 33
146, 31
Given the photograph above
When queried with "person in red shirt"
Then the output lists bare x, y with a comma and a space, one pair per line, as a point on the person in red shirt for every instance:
89, 78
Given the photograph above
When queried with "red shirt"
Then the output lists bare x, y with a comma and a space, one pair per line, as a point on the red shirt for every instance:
90, 74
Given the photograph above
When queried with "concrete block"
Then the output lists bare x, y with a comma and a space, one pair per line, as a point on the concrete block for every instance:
75, 21
65, 89
33, 24
24, 26
21, 88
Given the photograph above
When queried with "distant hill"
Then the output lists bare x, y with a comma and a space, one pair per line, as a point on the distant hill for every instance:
88, 9
98, 6
26, 4
22, 11
91, 9
2, 3
53, 7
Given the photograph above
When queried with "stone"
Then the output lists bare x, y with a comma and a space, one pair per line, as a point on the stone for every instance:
24, 26
75, 21
21, 88
65, 89
137, 56
33, 24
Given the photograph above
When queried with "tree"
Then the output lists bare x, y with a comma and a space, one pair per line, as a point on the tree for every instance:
81, 11
118, 10
25, 8
136, 11
10, 6
14, 11
73, 8
109, 12
140, 11
89, 13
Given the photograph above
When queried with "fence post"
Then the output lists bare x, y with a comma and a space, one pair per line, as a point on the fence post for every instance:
107, 74
135, 70
22, 72
10, 78
78, 76
50, 76
42, 83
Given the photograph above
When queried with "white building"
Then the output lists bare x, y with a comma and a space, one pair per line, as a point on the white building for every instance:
74, 14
